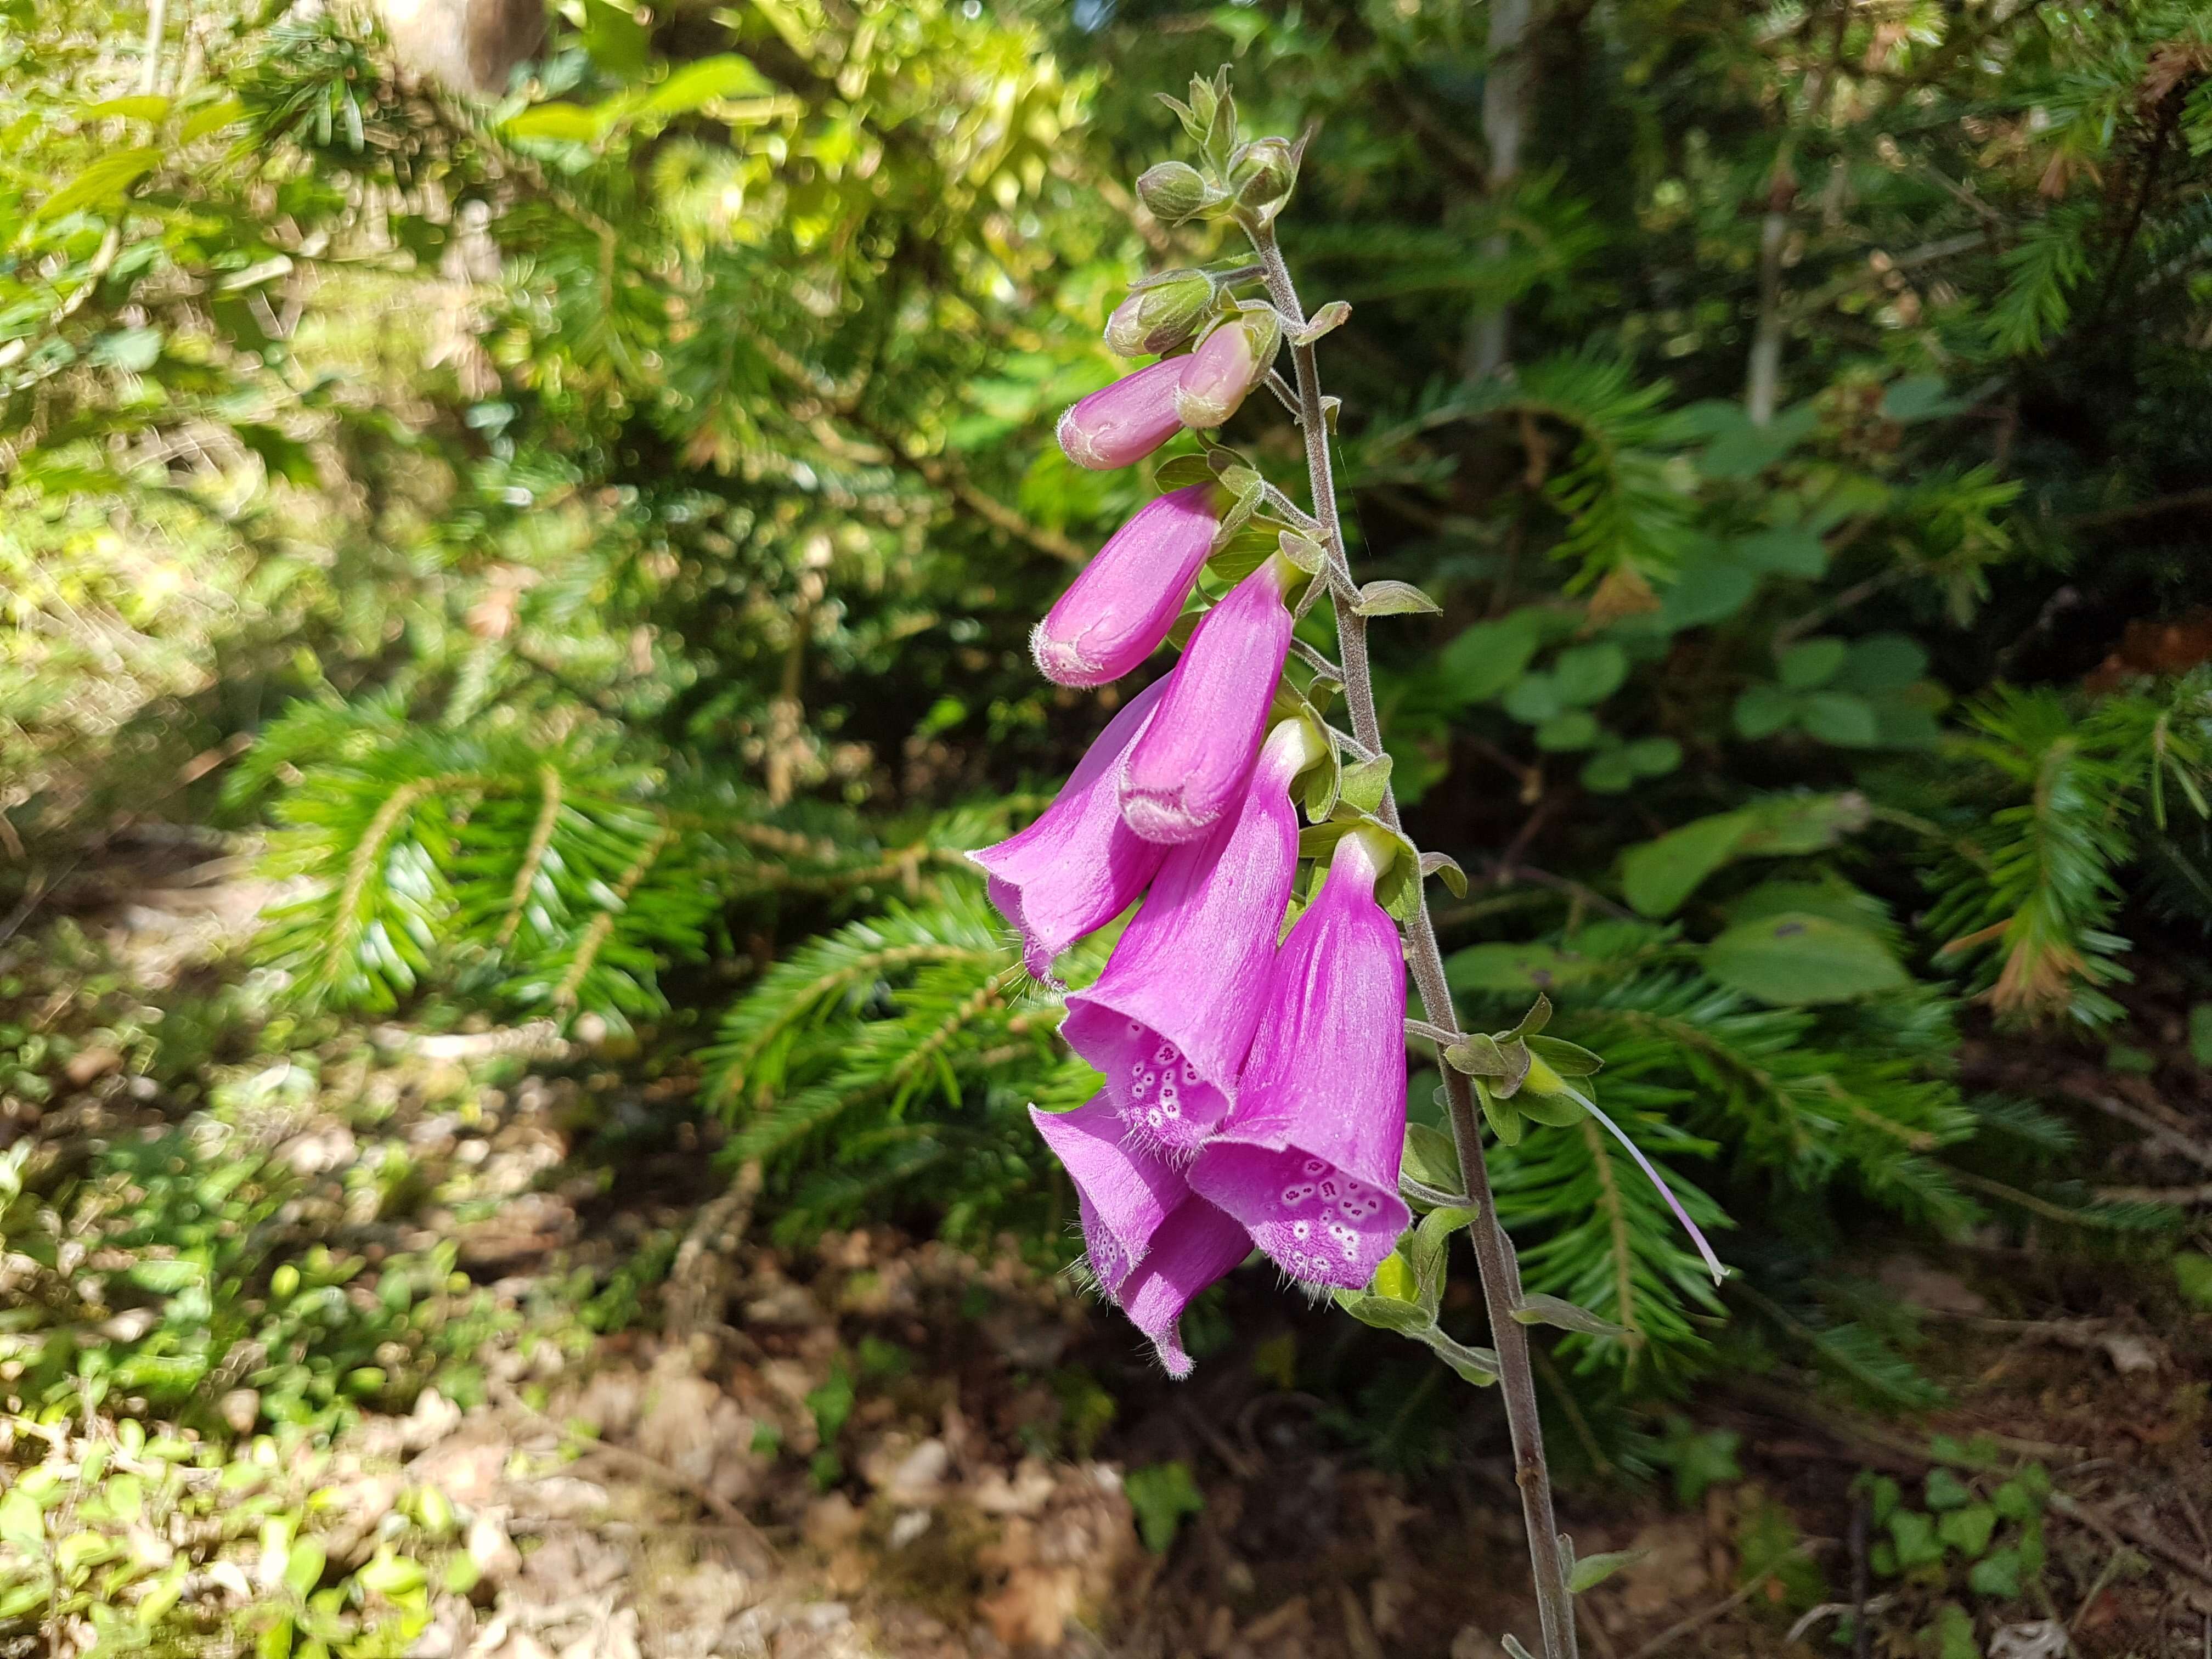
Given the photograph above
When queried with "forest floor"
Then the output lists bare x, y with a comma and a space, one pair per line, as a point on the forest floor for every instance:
877, 1444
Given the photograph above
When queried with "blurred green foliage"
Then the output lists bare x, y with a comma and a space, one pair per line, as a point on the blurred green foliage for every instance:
615, 510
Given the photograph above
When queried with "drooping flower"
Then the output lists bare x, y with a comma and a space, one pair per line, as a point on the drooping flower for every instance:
1308, 1158
1189, 767
1194, 1247
1170, 1020
1228, 363
1124, 1192
1121, 424
1079, 865
1116, 613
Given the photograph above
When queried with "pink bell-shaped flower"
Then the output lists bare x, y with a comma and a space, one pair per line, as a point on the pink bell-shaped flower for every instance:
1079, 865
1116, 614
1189, 767
1195, 1248
1307, 1159
1170, 1020
1124, 1192
1121, 424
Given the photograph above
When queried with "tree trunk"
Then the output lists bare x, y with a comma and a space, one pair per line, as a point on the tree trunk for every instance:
1504, 123
471, 45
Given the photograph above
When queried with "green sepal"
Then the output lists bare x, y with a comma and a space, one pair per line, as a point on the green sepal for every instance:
1504, 1121
1552, 1111
1428, 1247
1329, 317
1538, 1017
1565, 1058
1304, 551
1237, 557
1366, 783
1432, 1159
1475, 1365
1442, 864
1181, 472
1251, 490
1385, 1313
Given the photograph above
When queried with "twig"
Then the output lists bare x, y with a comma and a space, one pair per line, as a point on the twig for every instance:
1493, 1251
2167, 1136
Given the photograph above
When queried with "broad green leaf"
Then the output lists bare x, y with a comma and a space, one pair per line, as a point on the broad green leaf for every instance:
1394, 599
1488, 658
1796, 958
1657, 876
1707, 588
1882, 662
1564, 1316
1575, 729
570, 122
1520, 968
1161, 1494
1534, 699
1968, 1530
1431, 1157
1761, 710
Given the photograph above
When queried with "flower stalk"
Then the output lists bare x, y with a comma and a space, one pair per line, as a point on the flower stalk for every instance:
1499, 1268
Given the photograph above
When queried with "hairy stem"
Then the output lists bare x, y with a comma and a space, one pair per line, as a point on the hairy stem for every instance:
1493, 1251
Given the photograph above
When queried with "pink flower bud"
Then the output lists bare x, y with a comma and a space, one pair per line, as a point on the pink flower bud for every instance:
1307, 1159
1189, 767
1116, 614
1228, 363
1079, 866
1169, 1021
1121, 424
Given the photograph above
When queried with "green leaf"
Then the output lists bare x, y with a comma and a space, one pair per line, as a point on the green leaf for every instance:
1920, 397
1744, 451
615, 39
570, 122
1608, 773
1564, 1316
1811, 662
1914, 1536
1882, 662
147, 106
1700, 1459
1946, 1490
303, 1568
1968, 1530
1590, 673
1761, 710
1575, 729
1534, 699
1709, 588
102, 183
1653, 757
1385, 1313
1955, 1633
1838, 717
1488, 658
1997, 1574
1793, 552
2192, 1271
1567, 1058
698, 84
23, 1523
1591, 1571
1796, 958
1659, 875
1393, 599
1161, 1494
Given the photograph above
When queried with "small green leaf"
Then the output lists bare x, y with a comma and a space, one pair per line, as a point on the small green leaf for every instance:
1591, 1571
1432, 1159
1811, 662
1653, 757
1793, 552
1182, 471
1968, 1530
1996, 1574
1590, 673
1504, 1121
1946, 1490
1443, 865
1564, 1316
1762, 710
1161, 1494
1840, 718
1658, 875
1534, 699
1882, 662
2192, 1271
1363, 784
1393, 599
105, 181
1955, 1633
1913, 1534
1567, 1058
1565, 732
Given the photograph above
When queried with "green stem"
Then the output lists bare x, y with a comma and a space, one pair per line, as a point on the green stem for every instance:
1493, 1251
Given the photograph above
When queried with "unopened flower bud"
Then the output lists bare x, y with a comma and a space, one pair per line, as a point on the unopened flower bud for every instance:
1262, 173
1162, 315
1228, 363
1121, 424
1172, 191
